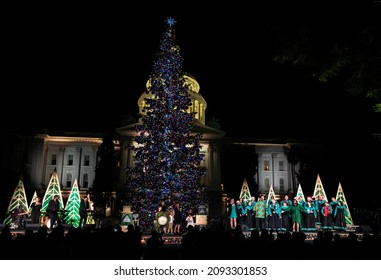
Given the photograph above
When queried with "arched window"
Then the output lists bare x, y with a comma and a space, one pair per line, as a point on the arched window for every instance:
266, 165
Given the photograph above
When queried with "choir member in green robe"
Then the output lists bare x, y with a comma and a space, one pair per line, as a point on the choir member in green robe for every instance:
296, 211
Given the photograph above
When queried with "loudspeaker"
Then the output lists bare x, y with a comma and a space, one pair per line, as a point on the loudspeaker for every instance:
366, 229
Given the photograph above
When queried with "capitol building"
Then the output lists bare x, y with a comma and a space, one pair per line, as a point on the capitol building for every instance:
74, 156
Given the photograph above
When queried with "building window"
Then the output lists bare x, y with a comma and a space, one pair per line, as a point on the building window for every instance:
68, 180
281, 166
54, 159
85, 180
266, 166
281, 185
70, 160
87, 160
267, 183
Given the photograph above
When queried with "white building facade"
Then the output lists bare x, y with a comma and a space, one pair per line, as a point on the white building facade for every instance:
72, 157
274, 169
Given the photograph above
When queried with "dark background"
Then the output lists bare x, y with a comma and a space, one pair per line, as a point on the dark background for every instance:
82, 67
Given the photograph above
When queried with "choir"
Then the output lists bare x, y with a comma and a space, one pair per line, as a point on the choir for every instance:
286, 215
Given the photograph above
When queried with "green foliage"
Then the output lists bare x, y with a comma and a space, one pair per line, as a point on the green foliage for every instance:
377, 108
336, 42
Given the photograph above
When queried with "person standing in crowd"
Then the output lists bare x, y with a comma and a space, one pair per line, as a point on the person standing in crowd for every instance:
18, 216
242, 212
161, 220
340, 213
35, 210
84, 206
178, 219
326, 211
285, 215
250, 213
260, 214
333, 204
287, 200
296, 215
189, 220
53, 209
319, 203
163, 205
310, 216
232, 213
302, 203
171, 219
273, 212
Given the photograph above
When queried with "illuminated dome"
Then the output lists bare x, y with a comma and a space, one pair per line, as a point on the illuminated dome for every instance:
198, 102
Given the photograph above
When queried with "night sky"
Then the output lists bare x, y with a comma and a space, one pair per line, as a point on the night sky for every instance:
83, 67
86, 66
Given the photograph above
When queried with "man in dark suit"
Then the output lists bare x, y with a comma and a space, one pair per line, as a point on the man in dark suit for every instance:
53, 209
83, 208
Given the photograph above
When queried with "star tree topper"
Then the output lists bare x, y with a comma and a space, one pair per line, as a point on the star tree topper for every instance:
170, 21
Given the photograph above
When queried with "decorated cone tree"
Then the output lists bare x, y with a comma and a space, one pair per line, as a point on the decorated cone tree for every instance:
340, 196
270, 194
299, 193
18, 199
167, 152
72, 206
245, 191
52, 190
319, 190
33, 198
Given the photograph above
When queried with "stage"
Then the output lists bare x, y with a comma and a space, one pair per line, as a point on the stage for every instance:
176, 239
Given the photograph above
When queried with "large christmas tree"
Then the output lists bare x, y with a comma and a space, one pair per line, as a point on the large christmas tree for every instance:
167, 161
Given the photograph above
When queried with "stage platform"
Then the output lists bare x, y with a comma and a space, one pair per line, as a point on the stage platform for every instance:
173, 239
310, 236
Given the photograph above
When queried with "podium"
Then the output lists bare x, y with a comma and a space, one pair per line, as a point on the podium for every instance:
201, 220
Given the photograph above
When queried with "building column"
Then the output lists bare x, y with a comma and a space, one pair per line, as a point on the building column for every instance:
62, 150
260, 181
95, 164
273, 156
79, 150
